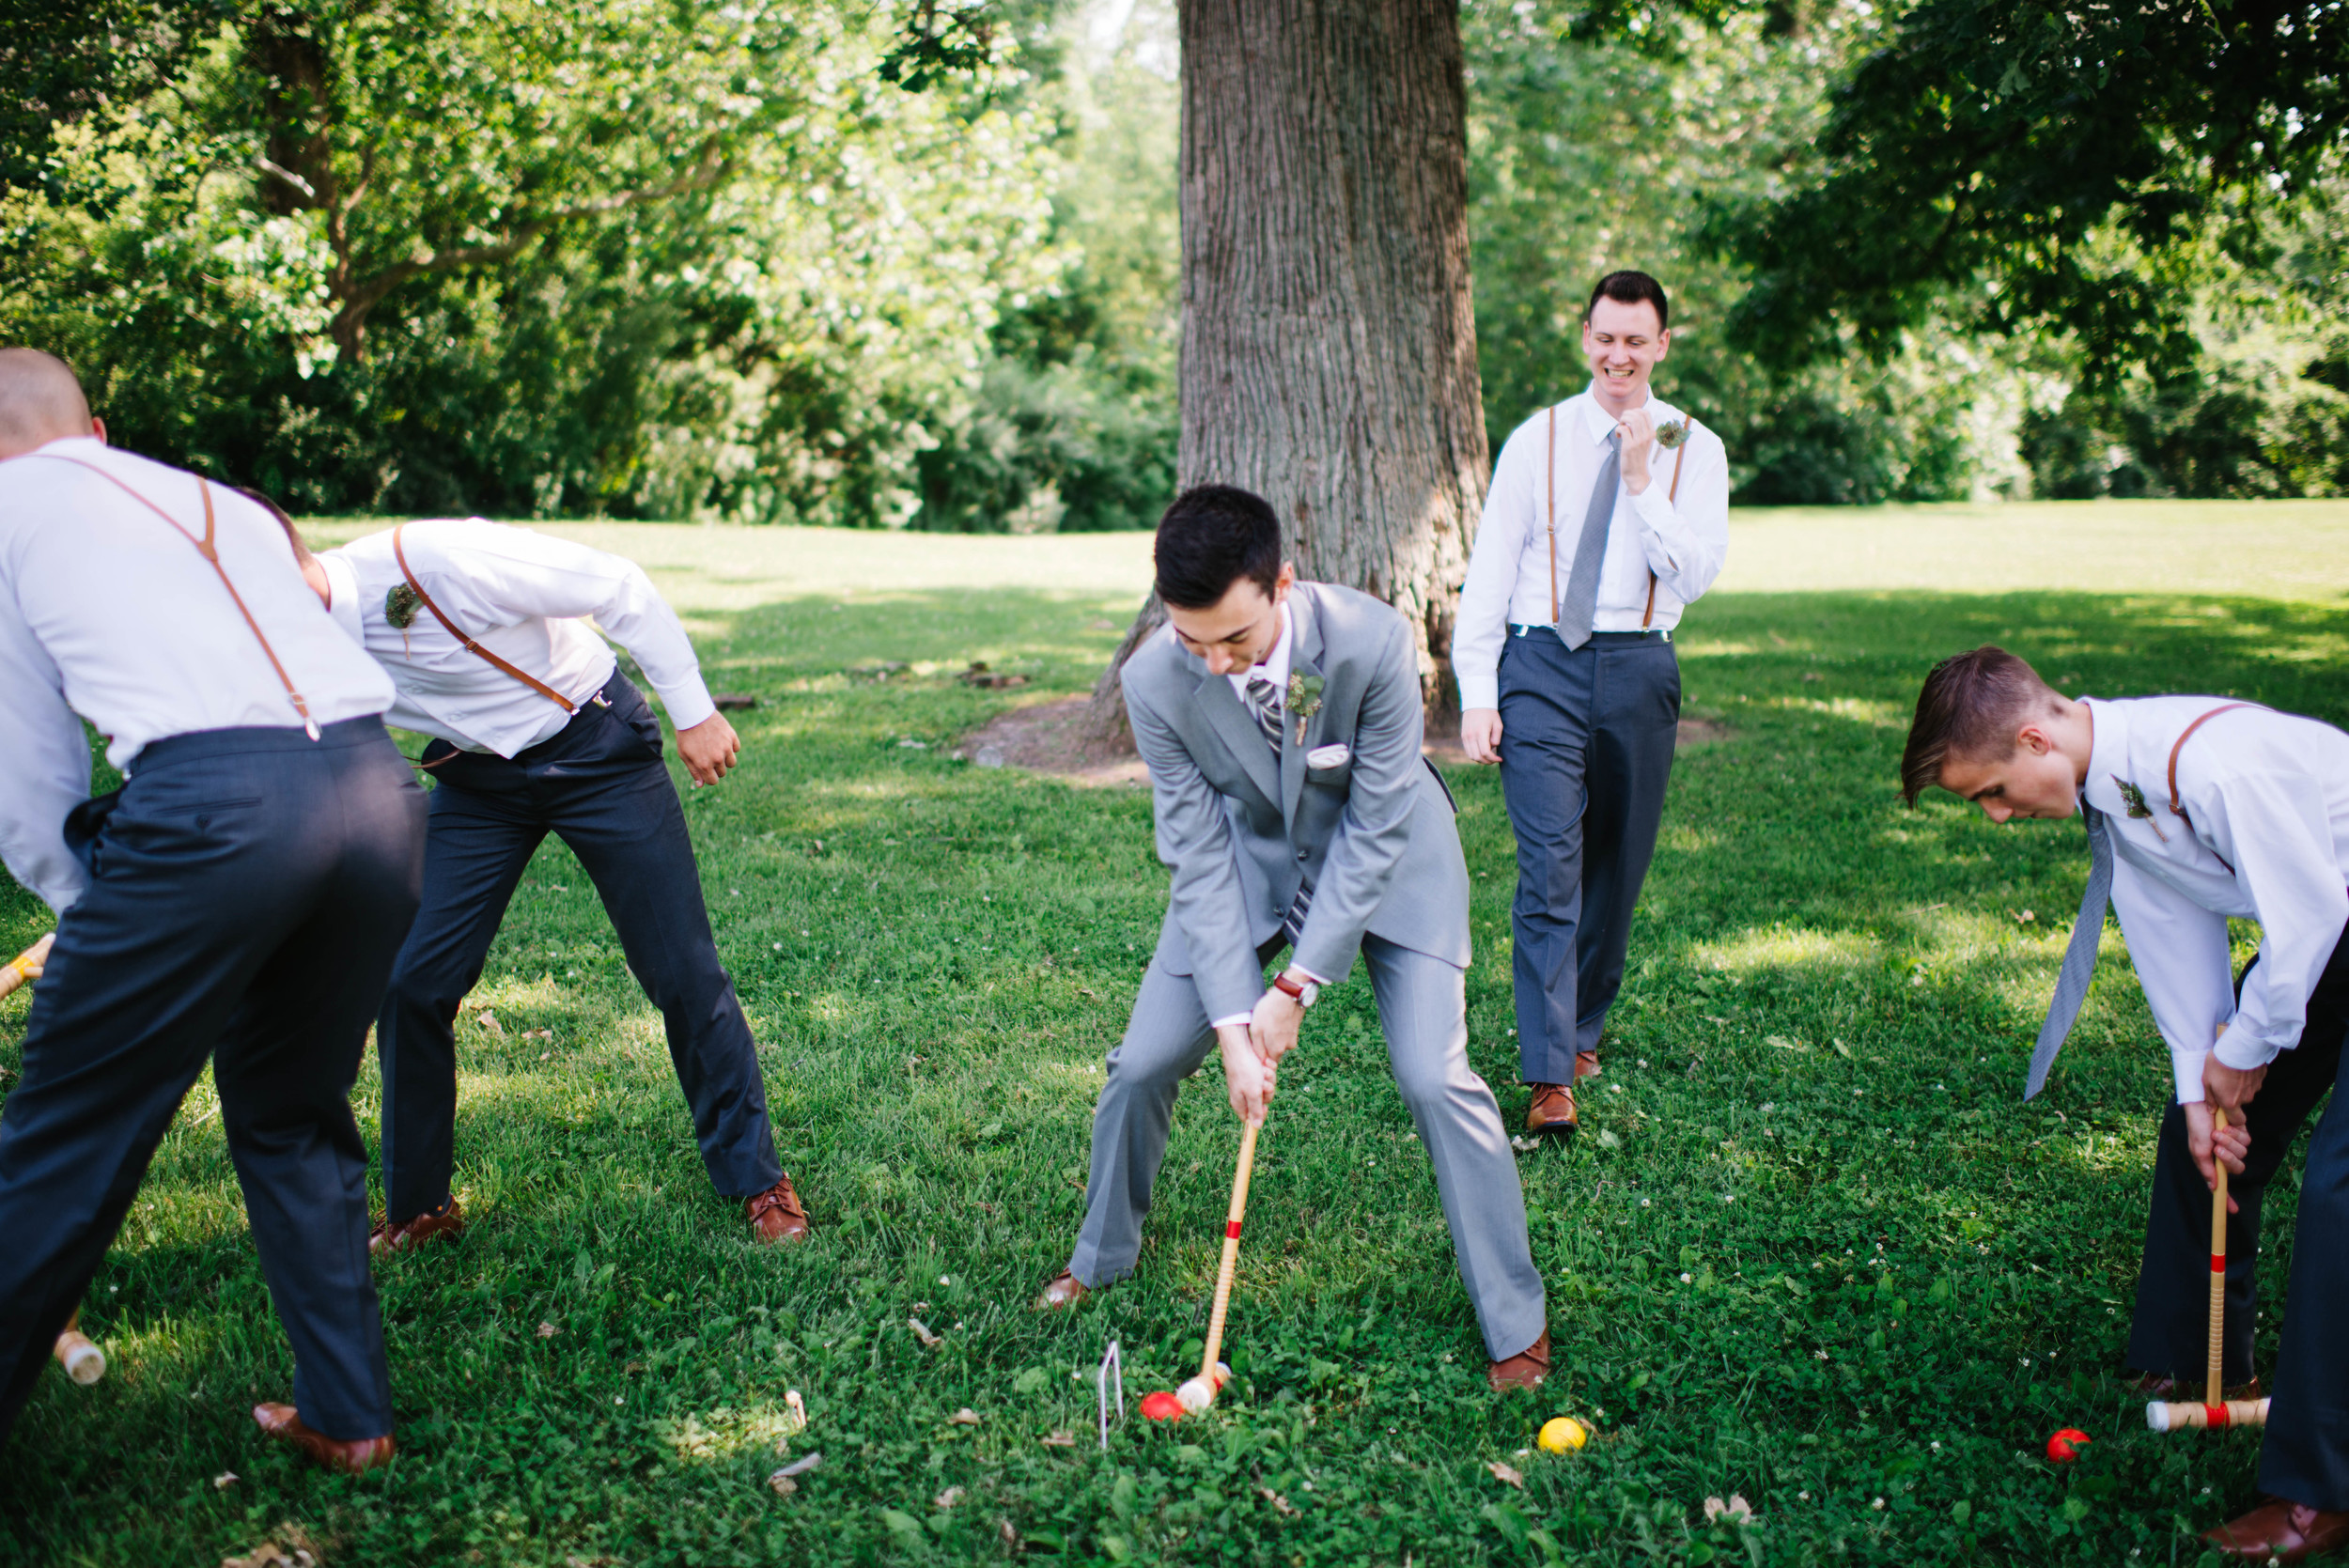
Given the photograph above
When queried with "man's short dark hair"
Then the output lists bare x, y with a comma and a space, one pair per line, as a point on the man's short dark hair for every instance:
293, 535
1211, 537
1629, 288
1972, 705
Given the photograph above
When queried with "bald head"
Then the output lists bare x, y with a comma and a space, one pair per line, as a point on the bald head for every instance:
40, 401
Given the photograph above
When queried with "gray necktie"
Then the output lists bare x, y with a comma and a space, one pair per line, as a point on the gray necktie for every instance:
1580, 608
1264, 701
2080, 959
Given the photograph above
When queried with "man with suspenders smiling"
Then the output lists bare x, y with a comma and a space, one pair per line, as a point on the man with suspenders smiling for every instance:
480, 626
1609, 513
2199, 809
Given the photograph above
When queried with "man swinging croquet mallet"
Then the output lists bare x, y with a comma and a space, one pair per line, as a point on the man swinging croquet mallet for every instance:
2199, 809
538, 732
1281, 723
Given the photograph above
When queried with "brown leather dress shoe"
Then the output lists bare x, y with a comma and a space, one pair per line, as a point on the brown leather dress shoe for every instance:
351, 1456
1065, 1293
775, 1215
1585, 1064
2280, 1532
1551, 1115
1527, 1369
406, 1235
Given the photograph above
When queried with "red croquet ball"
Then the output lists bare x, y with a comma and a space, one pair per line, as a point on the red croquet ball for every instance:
2063, 1447
1163, 1407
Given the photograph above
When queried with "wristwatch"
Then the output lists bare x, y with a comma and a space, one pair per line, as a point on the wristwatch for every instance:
1302, 993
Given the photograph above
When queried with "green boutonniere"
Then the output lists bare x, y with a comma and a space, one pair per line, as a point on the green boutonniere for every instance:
1672, 433
401, 606
2133, 798
1304, 701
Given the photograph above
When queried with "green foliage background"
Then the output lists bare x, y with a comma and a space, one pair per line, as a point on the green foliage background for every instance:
958, 308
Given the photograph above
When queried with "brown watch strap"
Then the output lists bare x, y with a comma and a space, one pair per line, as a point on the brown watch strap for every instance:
549, 692
1287, 988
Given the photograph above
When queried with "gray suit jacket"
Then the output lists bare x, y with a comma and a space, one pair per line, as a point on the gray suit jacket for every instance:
1242, 827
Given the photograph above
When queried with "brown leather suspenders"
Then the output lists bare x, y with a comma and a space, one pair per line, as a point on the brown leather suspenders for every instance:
1549, 506
2177, 807
211, 551
549, 692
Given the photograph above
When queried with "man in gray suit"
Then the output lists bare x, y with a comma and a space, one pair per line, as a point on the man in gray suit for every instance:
1280, 722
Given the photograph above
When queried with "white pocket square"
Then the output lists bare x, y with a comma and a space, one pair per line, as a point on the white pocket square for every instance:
1328, 756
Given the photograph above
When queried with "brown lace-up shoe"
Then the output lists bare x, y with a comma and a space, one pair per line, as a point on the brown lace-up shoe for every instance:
1551, 1115
352, 1456
1065, 1293
406, 1235
1585, 1064
1527, 1369
2282, 1531
775, 1215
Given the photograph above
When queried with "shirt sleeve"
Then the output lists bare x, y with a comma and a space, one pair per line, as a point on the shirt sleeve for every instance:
1686, 540
2290, 866
44, 765
2179, 950
515, 573
1510, 516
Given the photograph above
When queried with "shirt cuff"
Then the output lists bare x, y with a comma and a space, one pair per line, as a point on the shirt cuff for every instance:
1237, 1020
688, 702
1479, 689
2186, 1065
2244, 1052
1307, 973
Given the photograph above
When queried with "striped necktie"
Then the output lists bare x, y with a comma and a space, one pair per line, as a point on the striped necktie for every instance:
2080, 959
1264, 701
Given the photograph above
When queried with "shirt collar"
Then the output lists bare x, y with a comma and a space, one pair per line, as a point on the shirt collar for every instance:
2107, 755
342, 585
1598, 424
1275, 667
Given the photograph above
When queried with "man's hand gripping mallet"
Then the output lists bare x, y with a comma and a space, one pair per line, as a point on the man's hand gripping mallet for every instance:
2215, 1409
26, 965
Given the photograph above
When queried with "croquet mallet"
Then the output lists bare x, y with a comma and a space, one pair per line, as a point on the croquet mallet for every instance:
82, 1361
2215, 1409
26, 965
1200, 1392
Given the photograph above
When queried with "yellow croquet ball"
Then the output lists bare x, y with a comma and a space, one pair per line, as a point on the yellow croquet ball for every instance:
1562, 1433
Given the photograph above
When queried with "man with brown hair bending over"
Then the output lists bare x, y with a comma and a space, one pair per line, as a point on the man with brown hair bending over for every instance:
479, 626
2199, 809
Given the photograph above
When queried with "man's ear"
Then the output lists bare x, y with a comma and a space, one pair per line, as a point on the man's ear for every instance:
98, 429
1282, 583
2034, 739
1663, 343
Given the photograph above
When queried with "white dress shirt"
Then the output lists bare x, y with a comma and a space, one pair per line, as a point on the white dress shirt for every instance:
1682, 541
1275, 669
108, 613
2266, 793
518, 594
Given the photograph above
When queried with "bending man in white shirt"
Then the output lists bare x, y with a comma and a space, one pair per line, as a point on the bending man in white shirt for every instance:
1609, 513
239, 898
2199, 809
538, 732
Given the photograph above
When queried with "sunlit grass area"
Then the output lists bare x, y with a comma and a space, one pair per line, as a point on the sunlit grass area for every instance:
1810, 1249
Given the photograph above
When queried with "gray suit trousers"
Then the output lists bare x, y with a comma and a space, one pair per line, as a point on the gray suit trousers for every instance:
1422, 1005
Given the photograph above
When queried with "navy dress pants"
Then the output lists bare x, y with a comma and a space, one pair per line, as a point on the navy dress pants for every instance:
599, 786
2169, 1333
1586, 750
248, 890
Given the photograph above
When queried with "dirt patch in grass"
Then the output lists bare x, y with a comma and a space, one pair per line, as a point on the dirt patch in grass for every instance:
1049, 737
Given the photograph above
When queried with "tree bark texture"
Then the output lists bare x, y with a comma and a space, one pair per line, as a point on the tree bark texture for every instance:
1329, 354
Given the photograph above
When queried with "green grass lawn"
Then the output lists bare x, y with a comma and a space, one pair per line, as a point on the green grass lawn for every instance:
1811, 1248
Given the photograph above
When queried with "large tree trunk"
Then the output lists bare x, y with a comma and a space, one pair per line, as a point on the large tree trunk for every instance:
1328, 358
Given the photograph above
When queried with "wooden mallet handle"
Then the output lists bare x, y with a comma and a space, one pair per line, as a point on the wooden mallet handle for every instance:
2212, 1395
1231, 1253
26, 965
